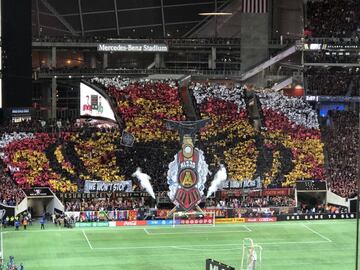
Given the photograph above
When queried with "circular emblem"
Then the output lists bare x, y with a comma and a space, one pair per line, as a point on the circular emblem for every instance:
187, 150
187, 178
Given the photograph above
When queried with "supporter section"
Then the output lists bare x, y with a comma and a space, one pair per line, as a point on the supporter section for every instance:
333, 18
341, 137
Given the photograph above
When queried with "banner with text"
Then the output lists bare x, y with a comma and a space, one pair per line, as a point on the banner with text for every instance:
101, 186
316, 217
131, 47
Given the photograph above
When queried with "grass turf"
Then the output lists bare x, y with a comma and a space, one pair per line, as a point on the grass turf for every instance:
317, 245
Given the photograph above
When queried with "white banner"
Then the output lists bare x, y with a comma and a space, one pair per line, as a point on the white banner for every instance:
246, 184
101, 186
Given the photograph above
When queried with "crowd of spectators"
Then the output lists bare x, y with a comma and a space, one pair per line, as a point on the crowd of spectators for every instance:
333, 18
228, 138
66, 158
10, 193
341, 137
291, 133
286, 149
253, 202
104, 204
333, 81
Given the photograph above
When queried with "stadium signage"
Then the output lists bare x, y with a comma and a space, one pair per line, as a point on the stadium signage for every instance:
131, 47
38, 192
101, 186
92, 224
103, 194
161, 222
131, 223
266, 219
229, 220
20, 111
316, 217
215, 265
246, 184
193, 221
276, 192
332, 98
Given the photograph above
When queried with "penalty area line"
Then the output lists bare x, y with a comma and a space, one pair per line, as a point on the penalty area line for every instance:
194, 232
87, 240
204, 246
317, 233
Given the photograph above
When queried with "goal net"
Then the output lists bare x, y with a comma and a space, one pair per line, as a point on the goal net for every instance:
251, 255
193, 218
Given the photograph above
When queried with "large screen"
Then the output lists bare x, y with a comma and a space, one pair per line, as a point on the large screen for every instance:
92, 103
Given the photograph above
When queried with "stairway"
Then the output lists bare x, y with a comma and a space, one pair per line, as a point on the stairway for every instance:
267, 63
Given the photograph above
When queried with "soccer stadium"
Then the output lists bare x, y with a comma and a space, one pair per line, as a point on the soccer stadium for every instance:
179, 134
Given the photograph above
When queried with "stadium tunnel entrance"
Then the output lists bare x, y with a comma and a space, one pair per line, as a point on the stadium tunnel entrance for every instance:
310, 200
41, 201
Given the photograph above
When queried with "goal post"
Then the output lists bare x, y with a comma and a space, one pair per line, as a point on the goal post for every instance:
193, 218
251, 255
1, 248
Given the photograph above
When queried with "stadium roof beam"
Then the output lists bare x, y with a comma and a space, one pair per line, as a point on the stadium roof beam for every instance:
59, 17
137, 9
55, 28
38, 17
116, 18
163, 18
138, 26
206, 18
81, 18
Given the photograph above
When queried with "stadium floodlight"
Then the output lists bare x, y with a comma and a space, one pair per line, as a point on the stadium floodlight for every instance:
215, 14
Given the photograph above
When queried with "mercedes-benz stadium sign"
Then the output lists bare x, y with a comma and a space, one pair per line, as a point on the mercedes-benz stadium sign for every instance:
131, 47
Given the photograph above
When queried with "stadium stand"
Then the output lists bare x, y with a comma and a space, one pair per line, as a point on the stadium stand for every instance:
293, 135
10, 193
90, 154
333, 18
332, 81
341, 138
227, 110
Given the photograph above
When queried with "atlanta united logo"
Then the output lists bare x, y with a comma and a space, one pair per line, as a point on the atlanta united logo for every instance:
187, 176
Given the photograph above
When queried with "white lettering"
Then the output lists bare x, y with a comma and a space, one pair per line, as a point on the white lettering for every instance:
132, 47
213, 267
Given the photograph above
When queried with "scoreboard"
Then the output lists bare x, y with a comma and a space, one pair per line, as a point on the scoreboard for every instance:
311, 185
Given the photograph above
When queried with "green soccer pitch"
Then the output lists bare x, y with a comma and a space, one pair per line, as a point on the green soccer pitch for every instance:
317, 245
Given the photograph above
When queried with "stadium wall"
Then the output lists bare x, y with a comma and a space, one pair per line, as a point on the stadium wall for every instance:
16, 46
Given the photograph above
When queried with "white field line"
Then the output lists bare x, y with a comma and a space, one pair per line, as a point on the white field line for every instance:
87, 239
214, 245
246, 227
2, 246
317, 233
192, 232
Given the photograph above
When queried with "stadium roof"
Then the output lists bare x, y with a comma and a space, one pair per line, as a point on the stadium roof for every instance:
123, 18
